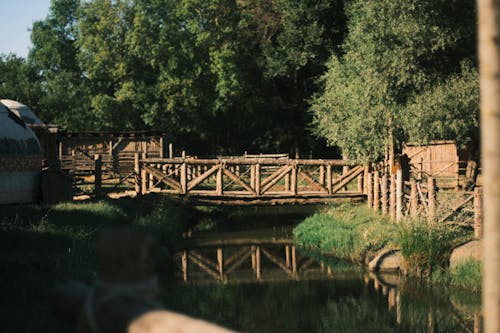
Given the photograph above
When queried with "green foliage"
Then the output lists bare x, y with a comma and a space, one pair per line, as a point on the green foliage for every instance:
345, 231
427, 246
350, 232
396, 55
467, 275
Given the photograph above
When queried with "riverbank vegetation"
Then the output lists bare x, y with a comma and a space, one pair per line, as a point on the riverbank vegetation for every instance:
44, 246
355, 233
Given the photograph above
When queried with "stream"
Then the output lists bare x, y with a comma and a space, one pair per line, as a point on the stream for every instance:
246, 274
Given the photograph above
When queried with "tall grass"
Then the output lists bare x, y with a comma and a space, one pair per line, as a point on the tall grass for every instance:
427, 246
353, 232
346, 231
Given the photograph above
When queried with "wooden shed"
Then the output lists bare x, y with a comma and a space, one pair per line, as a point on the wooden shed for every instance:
77, 149
439, 159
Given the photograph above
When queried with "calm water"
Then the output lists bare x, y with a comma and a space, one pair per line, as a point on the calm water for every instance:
293, 292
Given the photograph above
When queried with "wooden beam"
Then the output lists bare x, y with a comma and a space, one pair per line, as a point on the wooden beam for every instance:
308, 178
277, 176
198, 180
239, 181
163, 178
275, 260
204, 267
356, 171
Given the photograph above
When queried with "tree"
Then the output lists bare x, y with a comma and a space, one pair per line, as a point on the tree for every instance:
19, 81
395, 51
64, 99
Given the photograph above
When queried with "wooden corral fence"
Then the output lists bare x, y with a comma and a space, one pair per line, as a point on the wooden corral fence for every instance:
420, 197
106, 156
237, 260
248, 177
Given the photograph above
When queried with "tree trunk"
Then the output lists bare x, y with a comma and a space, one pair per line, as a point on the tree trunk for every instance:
489, 59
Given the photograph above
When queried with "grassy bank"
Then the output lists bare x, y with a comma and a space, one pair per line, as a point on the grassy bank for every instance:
355, 233
43, 246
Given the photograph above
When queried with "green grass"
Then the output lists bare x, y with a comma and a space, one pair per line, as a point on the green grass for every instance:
466, 275
346, 231
353, 232
425, 246
44, 246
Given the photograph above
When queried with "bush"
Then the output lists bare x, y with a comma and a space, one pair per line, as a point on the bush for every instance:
346, 231
427, 246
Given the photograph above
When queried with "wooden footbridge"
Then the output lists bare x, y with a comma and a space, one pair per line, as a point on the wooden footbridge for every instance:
249, 179
246, 260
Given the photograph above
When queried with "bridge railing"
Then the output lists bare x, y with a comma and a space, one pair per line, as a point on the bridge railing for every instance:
246, 177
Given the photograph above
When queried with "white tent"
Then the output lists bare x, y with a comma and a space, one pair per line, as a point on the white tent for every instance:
20, 160
22, 111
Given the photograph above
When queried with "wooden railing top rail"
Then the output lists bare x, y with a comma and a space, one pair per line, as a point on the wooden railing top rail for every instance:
244, 161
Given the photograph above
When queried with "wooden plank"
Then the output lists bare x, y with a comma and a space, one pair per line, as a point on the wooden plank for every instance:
457, 208
308, 178
160, 176
358, 170
275, 260
277, 176
198, 180
239, 181
204, 267
238, 262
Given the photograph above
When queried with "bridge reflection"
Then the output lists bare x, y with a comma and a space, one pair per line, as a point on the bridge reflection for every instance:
246, 260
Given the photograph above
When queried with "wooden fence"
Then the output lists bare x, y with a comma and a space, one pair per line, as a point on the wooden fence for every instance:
247, 177
420, 197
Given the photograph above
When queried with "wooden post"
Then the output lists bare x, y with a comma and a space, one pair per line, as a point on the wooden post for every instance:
60, 151
369, 189
185, 265
287, 182
257, 263
97, 175
399, 195
413, 198
392, 197
329, 178
183, 177
478, 213
322, 174
254, 261
376, 191
384, 197
170, 150
294, 260
361, 187
137, 174
287, 256
365, 179
151, 181
252, 176
293, 179
144, 177
431, 198
257, 178
162, 152
219, 181
489, 82
220, 262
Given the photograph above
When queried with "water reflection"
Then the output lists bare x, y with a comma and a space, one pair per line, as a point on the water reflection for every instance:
224, 286
259, 282
243, 260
